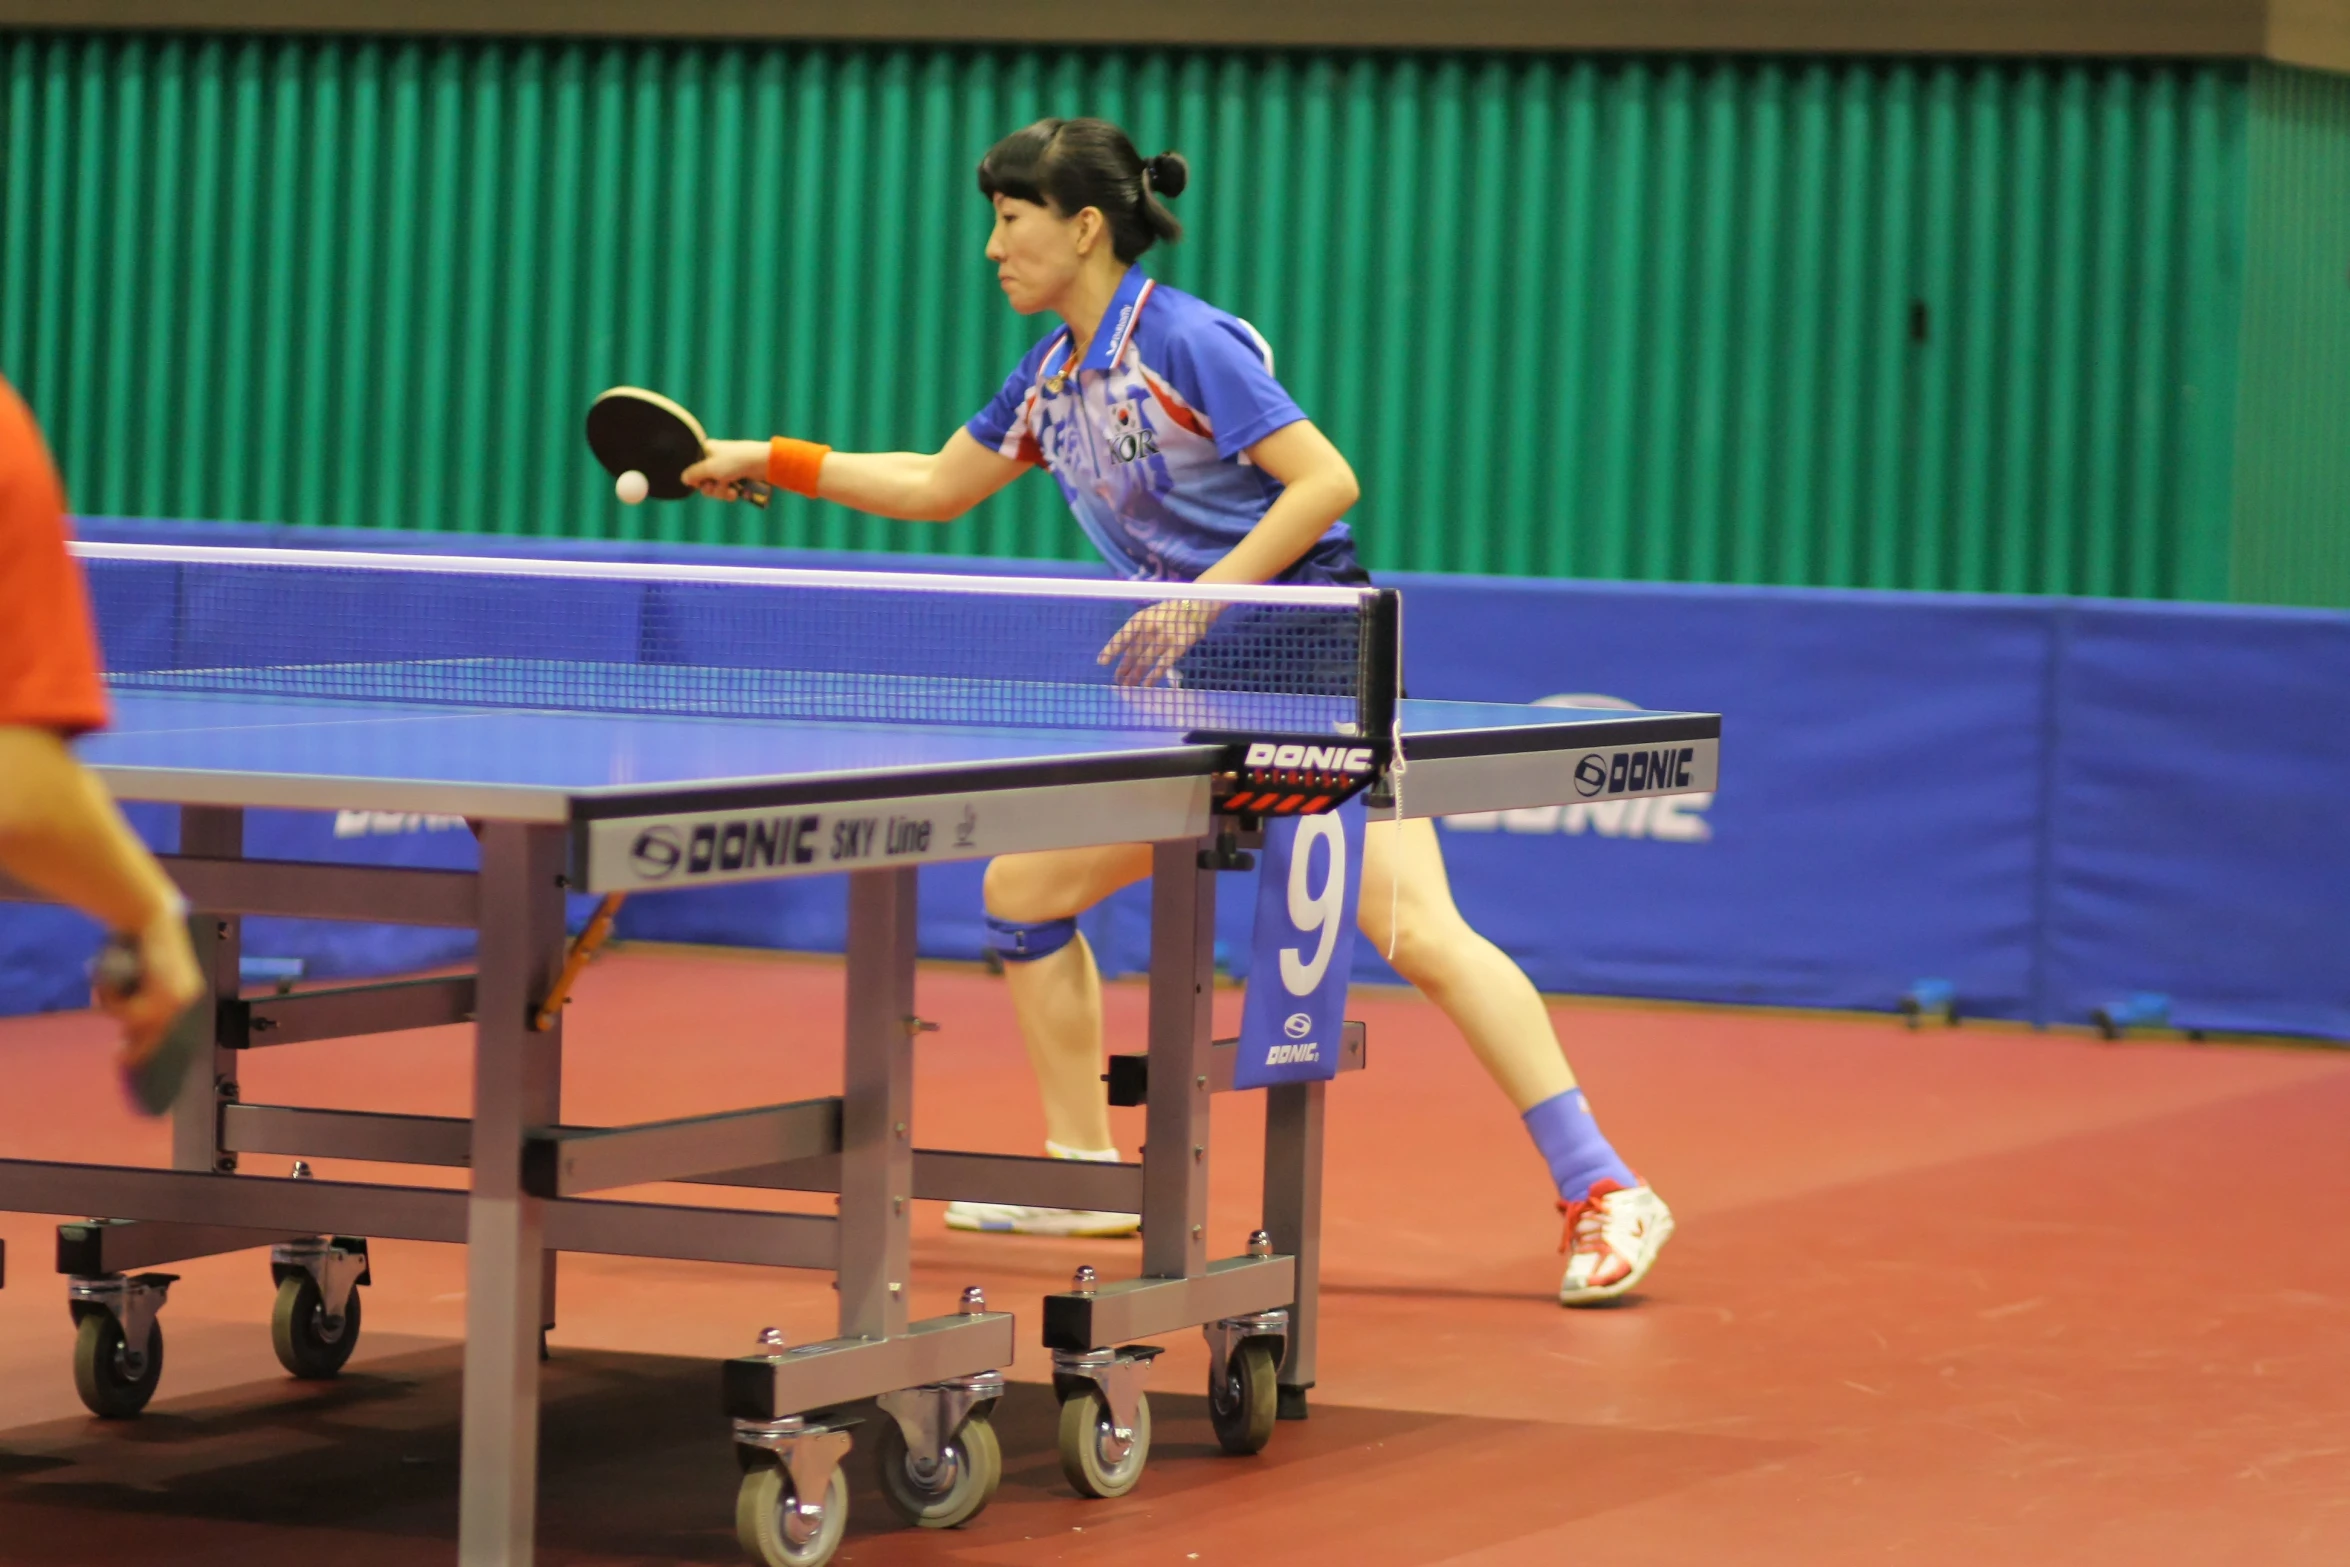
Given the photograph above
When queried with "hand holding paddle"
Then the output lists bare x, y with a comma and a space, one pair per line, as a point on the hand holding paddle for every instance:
729, 463
149, 984
646, 442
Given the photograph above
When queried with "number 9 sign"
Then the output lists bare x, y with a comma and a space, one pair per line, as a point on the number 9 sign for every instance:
1311, 913
1302, 953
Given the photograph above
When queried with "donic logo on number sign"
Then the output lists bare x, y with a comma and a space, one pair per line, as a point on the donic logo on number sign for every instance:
1297, 1025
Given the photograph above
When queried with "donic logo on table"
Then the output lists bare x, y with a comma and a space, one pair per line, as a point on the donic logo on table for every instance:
1633, 772
656, 852
1661, 807
755, 843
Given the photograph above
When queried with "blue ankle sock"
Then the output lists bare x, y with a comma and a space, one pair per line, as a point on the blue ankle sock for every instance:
1579, 1157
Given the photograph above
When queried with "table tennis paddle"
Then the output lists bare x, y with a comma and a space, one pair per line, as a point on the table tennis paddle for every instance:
155, 1082
632, 430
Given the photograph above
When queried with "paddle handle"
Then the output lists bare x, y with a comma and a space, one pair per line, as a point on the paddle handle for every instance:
576, 960
757, 491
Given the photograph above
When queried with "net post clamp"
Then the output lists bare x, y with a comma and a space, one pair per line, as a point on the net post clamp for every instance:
1262, 776
1224, 852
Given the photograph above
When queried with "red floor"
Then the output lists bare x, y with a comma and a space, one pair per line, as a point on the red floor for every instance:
1967, 1297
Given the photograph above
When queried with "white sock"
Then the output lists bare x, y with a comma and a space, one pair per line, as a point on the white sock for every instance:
1089, 1155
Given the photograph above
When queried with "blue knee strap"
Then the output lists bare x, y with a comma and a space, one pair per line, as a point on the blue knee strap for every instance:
1015, 942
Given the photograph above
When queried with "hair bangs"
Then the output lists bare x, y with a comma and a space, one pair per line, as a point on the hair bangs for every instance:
1015, 166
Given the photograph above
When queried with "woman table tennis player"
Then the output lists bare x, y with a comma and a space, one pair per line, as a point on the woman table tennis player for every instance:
59, 830
1184, 459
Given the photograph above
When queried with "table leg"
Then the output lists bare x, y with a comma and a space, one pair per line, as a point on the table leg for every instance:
877, 1106
1293, 1218
515, 1084
216, 832
1175, 1128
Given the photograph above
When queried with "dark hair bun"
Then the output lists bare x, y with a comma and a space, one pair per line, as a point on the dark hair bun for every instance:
1167, 174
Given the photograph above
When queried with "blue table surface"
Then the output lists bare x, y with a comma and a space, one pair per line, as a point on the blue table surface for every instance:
593, 752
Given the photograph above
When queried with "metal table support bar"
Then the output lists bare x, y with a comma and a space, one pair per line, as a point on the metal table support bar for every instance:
1110, 1314
347, 1134
224, 883
345, 1012
941, 1175
750, 1236
166, 1215
844, 1370
572, 1160
1027, 1180
127, 1245
946, 1175
196, 1197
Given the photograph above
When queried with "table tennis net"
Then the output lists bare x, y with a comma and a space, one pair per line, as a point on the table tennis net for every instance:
844, 647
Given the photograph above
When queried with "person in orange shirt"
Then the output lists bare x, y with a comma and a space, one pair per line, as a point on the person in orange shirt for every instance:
60, 832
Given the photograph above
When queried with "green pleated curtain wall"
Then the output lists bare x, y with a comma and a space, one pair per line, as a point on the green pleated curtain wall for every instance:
1895, 324
2292, 493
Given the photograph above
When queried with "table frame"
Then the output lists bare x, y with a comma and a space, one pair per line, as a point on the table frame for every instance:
530, 1172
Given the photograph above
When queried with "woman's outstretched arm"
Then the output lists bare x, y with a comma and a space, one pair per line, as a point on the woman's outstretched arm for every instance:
910, 486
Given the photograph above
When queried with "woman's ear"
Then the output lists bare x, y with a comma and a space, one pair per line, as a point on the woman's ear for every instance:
1092, 226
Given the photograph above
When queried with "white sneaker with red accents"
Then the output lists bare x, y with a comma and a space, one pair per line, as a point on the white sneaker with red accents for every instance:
1612, 1239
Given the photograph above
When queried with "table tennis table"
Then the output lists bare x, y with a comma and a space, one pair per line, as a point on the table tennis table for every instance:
732, 724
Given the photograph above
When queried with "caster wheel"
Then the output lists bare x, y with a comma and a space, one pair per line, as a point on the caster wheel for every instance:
949, 1492
777, 1531
1243, 1406
298, 1330
1086, 1433
102, 1370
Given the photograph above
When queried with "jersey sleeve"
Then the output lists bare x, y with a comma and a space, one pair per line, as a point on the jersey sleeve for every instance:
1221, 367
1005, 426
49, 672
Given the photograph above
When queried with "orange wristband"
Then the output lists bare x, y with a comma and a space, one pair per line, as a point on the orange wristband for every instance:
793, 465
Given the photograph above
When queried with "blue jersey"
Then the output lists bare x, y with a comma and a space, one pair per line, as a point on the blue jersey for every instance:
1148, 435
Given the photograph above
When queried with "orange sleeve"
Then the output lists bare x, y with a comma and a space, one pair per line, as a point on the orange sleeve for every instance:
49, 675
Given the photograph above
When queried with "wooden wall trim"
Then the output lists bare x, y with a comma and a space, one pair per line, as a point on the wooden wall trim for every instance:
2314, 33
2298, 32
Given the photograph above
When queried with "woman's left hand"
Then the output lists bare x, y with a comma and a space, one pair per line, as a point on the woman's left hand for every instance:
1148, 647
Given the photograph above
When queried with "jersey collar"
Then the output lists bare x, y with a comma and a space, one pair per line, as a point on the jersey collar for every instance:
1134, 291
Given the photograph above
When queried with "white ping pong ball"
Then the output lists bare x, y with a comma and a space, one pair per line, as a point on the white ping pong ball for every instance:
632, 488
